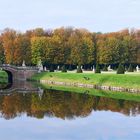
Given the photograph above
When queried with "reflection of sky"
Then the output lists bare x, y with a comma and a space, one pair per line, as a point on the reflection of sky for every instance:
98, 126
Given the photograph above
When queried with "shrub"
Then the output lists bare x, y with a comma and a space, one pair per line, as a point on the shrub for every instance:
105, 68
64, 68
97, 69
79, 70
130, 69
121, 69
51, 68
70, 68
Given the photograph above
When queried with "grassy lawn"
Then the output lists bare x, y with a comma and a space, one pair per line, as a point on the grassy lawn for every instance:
3, 77
130, 80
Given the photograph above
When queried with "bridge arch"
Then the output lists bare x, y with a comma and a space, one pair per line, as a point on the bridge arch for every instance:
10, 76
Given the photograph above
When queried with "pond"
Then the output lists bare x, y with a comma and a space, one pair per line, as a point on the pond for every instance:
62, 115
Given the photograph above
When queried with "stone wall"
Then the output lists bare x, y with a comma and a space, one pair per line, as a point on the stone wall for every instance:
102, 87
24, 74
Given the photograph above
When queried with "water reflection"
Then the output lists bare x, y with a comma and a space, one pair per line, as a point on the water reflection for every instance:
60, 104
19, 87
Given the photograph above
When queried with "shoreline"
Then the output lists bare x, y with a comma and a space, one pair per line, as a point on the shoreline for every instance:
94, 86
123, 83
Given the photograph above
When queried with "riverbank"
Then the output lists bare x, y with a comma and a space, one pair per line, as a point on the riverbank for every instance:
131, 81
93, 92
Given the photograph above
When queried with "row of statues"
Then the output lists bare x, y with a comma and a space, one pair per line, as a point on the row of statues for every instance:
40, 66
109, 68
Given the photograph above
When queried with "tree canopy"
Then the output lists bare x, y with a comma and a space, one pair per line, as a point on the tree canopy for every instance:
69, 46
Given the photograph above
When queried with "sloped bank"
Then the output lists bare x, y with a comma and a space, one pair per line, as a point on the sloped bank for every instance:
123, 83
101, 87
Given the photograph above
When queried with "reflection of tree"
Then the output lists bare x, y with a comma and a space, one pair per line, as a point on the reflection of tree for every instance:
96, 102
62, 105
121, 103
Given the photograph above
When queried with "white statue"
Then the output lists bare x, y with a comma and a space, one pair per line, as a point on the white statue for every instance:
109, 68
45, 69
58, 67
23, 63
93, 69
137, 68
40, 66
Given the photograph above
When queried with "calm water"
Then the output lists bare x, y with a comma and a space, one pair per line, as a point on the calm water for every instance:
58, 115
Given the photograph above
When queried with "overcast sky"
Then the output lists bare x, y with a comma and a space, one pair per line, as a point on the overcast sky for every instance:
95, 15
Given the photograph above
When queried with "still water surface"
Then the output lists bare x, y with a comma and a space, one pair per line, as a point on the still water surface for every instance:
59, 115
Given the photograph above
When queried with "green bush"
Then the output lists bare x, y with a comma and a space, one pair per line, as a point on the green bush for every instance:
130, 69
64, 68
79, 70
97, 69
121, 69
105, 68
51, 68
70, 68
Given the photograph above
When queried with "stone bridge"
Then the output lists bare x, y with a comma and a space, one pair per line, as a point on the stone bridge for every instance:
18, 73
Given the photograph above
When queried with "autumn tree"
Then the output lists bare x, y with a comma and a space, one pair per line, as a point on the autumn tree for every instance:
22, 49
82, 47
2, 56
8, 38
38, 45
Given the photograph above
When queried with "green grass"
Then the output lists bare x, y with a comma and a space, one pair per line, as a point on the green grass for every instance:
121, 80
94, 92
3, 77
